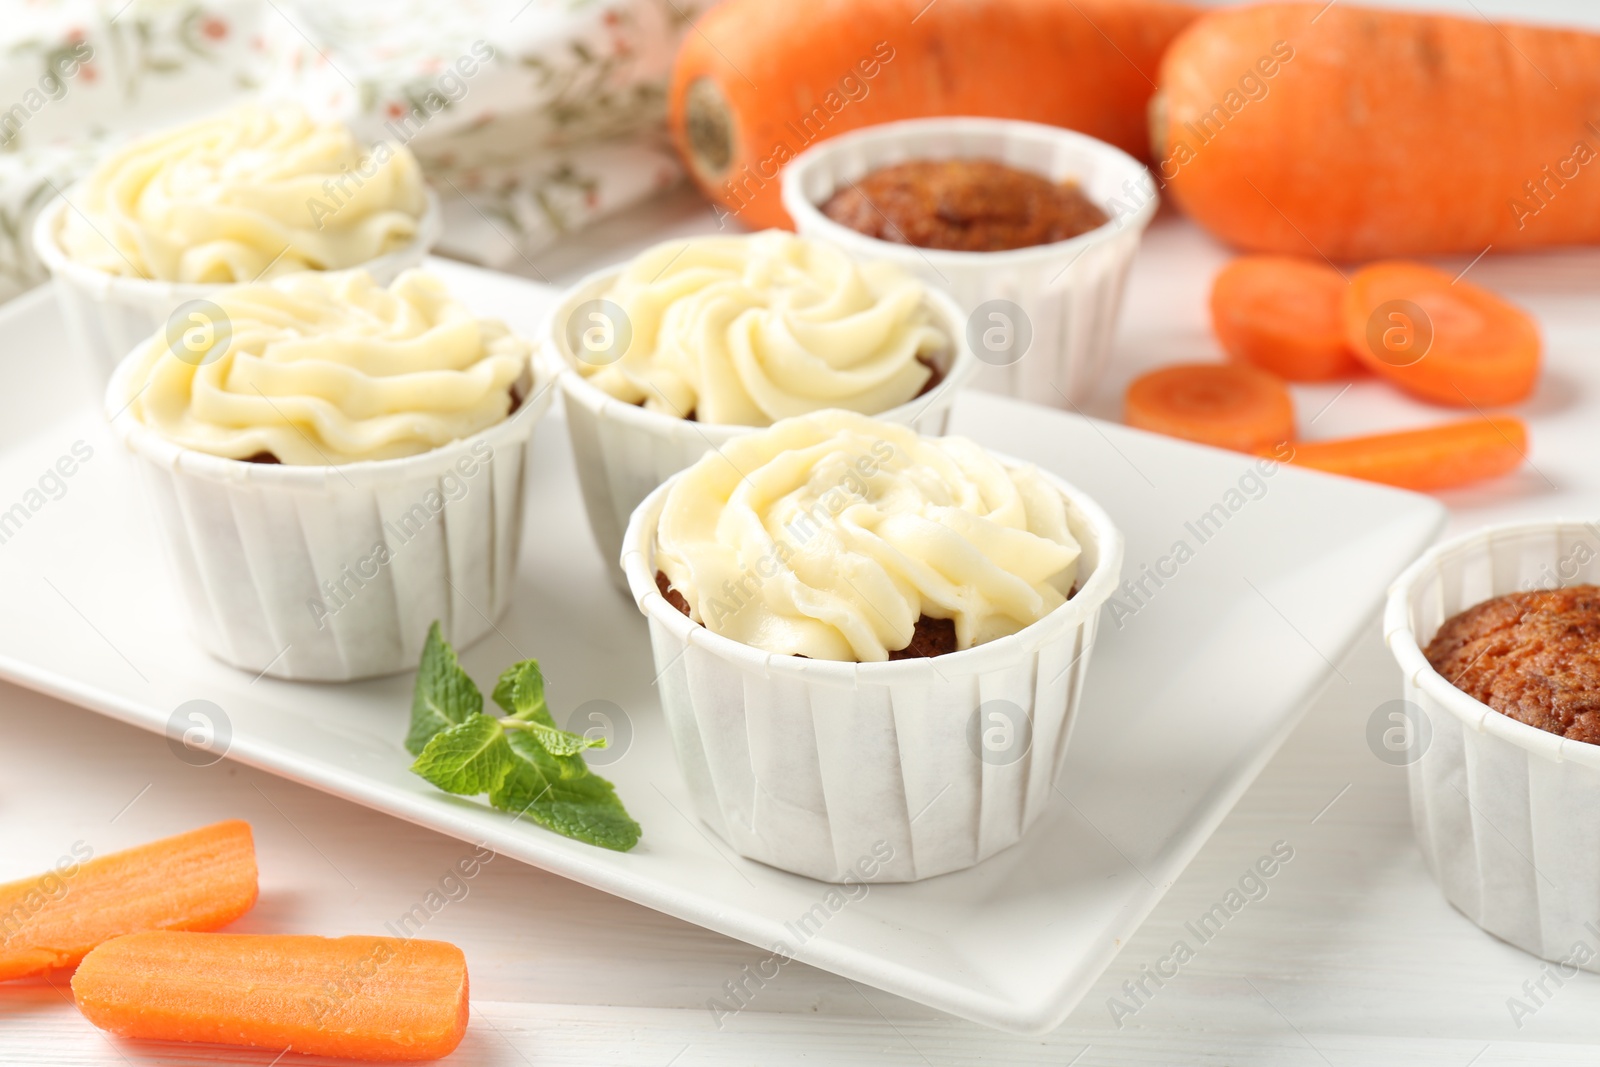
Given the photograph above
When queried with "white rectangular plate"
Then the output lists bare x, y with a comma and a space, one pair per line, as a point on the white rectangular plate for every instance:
1198, 676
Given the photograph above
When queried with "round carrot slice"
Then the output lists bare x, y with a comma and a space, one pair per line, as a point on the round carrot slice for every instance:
1284, 315
1443, 340
1228, 405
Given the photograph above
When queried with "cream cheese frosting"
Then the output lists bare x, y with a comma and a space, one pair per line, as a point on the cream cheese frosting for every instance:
327, 368
829, 535
752, 329
255, 193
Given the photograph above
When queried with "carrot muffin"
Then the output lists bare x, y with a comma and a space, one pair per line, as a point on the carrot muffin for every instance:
748, 330
835, 536
1533, 656
257, 192
322, 368
964, 205
336, 471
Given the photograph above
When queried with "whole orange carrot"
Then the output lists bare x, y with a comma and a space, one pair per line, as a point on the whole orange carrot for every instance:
199, 880
367, 998
1353, 133
757, 81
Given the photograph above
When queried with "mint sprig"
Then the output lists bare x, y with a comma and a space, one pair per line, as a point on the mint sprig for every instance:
526, 763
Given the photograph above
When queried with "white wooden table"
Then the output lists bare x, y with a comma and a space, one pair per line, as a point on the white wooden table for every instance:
1352, 957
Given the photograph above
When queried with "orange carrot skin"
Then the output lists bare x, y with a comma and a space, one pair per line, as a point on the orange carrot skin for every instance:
1483, 351
1353, 148
365, 998
200, 880
1437, 457
1283, 314
1088, 65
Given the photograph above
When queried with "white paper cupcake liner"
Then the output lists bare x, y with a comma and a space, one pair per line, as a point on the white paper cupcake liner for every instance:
108, 315
1069, 291
623, 451
1504, 812
812, 765
335, 573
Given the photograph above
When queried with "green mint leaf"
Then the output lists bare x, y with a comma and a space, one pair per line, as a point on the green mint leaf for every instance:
561, 794
526, 764
534, 772
552, 765
520, 691
473, 757
556, 742
576, 810
444, 696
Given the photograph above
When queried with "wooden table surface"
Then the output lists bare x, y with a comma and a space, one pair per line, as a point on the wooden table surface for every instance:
1352, 957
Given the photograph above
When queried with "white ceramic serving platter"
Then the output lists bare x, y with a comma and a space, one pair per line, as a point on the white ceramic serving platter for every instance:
1193, 685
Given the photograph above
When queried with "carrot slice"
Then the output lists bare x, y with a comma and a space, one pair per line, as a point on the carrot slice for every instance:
1228, 405
365, 998
1284, 315
1436, 457
200, 880
1443, 340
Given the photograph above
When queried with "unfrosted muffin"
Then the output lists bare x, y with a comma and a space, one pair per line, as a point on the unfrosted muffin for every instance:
1534, 656
965, 205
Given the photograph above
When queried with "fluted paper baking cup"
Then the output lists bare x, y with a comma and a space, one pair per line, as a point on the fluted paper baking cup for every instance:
107, 315
1069, 292
811, 765
335, 573
1504, 812
624, 451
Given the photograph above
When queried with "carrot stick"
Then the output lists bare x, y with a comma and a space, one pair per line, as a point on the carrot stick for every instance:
1284, 315
366, 998
1228, 405
1436, 457
1444, 340
757, 82
1332, 129
200, 880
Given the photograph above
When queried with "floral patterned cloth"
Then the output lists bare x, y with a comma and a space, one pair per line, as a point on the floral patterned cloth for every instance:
74, 74
531, 118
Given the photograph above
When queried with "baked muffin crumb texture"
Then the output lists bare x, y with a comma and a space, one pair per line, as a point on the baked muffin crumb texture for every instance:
1533, 656
964, 205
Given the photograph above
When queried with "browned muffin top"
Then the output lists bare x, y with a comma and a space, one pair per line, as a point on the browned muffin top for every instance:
965, 205
1533, 656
